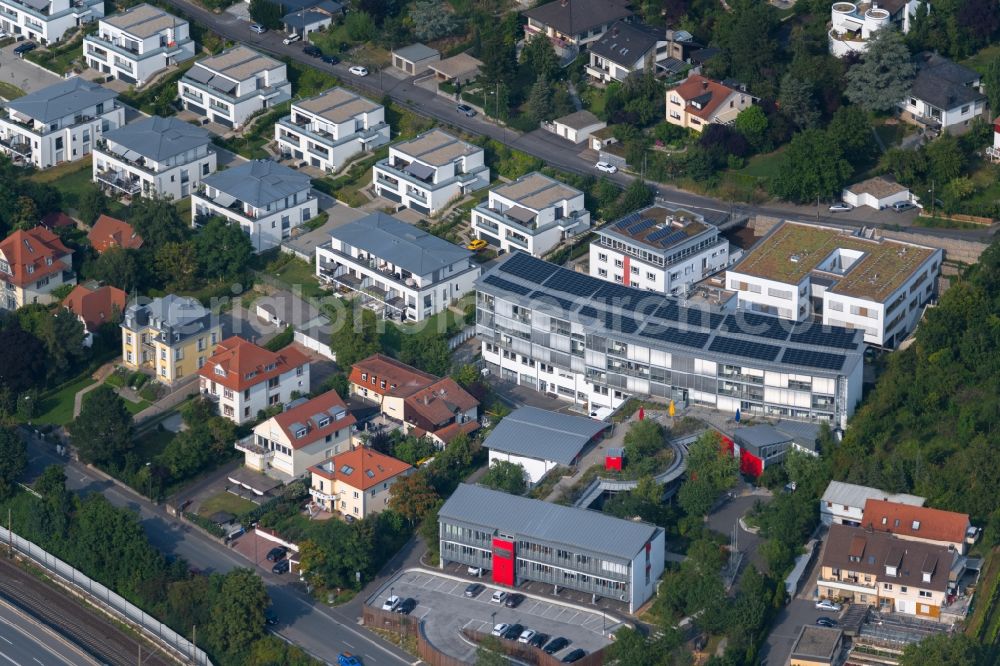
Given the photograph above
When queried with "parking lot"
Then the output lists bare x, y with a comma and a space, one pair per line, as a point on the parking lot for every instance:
445, 610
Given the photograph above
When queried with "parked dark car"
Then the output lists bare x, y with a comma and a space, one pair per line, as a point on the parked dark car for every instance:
474, 590
330, 59
406, 606
270, 619
538, 640
575, 655
313, 51
276, 554
555, 645
281, 567
19, 51
825, 622
513, 632
513, 600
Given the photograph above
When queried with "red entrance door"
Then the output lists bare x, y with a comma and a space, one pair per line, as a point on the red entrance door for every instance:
503, 561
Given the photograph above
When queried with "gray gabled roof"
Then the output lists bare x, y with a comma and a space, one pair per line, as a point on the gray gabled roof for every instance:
259, 182
850, 494
304, 19
575, 17
62, 99
944, 84
543, 435
399, 243
625, 43
416, 52
159, 138
577, 529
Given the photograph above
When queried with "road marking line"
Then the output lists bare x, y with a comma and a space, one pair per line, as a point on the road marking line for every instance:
9, 642
348, 645
9, 659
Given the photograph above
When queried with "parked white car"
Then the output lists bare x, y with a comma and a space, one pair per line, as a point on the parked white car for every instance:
827, 605
500, 629
257, 28
291, 38
606, 167
358, 70
498, 597
841, 207
526, 636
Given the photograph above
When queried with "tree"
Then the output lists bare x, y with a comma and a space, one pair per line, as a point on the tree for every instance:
499, 63
412, 497
356, 337
954, 649
991, 82
798, 102
709, 461
539, 107
644, 439
747, 39
267, 13
157, 222
102, 433
360, 27
427, 351
13, 460
22, 359
238, 612
177, 265
539, 54
91, 204
506, 476
379, 10
490, 652
223, 250
433, 19
851, 131
637, 195
752, 123
945, 159
25, 213
118, 267
812, 167
884, 76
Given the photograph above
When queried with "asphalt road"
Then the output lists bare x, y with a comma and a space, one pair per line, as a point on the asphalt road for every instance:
24, 642
323, 632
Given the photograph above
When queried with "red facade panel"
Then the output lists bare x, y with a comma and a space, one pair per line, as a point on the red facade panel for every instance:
613, 463
750, 464
503, 561
626, 277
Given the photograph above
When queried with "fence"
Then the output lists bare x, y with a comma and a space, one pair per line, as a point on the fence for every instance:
465, 334
409, 626
187, 650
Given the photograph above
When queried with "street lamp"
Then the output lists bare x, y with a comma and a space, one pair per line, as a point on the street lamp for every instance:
149, 480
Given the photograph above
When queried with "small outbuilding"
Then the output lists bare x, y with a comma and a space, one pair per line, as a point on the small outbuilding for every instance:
577, 126
415, 58
461, 68
878, 193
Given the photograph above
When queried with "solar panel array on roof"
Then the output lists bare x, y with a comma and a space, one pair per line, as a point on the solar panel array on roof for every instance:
750, 323
666, 237
500, 283
747, 348
675, 336
813, 359
573, 283
671, 311
527, 267
823, 336
628, 220
619, 293
545, 298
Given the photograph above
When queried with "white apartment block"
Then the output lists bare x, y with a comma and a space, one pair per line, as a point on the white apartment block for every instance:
658, 249
407, 273
429, 171
853, 23
245, 379
327, 130
535, 213
162, 157
138, 43
60, 123
877, 285
47, 21
265, 198
234, 85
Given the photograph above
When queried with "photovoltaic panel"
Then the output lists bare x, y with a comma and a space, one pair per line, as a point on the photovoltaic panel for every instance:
758, 325
529, 268
640, 226
544, 298
673, 312
573, 283
666, 237
506, 285
612, 321
627, 220
675, 336
589, 311
618, 294
824, 336
744, 348
813, 359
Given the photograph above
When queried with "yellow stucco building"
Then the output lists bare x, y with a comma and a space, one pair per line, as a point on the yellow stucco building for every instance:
170, 336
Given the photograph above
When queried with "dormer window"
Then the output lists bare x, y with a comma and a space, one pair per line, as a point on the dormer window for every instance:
269, 367
927, 577
364, 376
382, 384
220, 371
916, 525
890, 571
324, 422
48, 261
300, 433
31, 269
373, 380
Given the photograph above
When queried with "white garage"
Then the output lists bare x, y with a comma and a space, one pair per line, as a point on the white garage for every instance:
878, 193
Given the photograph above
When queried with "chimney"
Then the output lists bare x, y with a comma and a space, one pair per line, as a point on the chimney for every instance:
614, 31
704, 85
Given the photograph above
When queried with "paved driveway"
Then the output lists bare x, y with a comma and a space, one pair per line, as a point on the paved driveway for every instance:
445, 609
787, 625
27, 76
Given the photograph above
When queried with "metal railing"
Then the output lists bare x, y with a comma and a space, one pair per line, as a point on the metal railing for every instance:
128, 611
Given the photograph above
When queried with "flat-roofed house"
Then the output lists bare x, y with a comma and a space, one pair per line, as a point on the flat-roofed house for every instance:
47, 21
138, 43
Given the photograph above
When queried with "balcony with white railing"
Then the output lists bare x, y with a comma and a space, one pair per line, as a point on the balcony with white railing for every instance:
320, 495
17, 147
120, 183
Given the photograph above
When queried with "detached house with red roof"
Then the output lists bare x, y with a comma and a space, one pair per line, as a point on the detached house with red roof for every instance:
920, 523
95, 307
304, 435
421, 402
246, 379
112, 232
32, 264
699, 101
356, 483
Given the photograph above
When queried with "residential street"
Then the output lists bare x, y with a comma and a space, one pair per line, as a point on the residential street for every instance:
322, 631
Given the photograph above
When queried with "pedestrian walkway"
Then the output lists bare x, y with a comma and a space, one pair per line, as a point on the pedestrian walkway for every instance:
101, 375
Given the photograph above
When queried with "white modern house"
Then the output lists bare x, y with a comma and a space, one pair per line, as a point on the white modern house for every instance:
533, 214
162, 157
878, 193
853, 23
944, 95
47, 21
844, 503
230, 87
625, 49
847, 280
305, 434
245, 379
265, 198
427, 172
60, 123
329, 129
405, 273
658, 249
136, 44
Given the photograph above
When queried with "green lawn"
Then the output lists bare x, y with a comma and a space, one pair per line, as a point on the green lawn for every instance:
763, 166
9, 92
57, 60
225, 501
980, 61
152, 443
593, 99
56, 407
293, 271
891, 134
71, 178
135, 407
